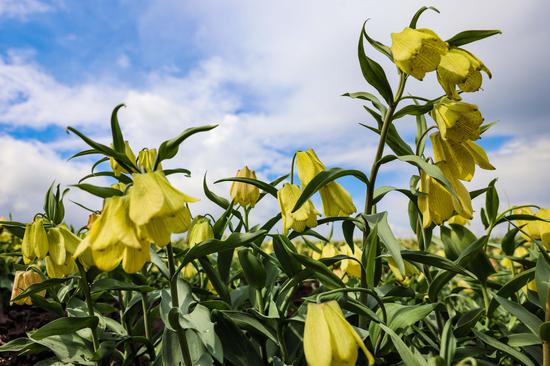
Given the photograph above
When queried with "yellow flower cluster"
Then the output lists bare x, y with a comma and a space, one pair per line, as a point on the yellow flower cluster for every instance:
55, 245
416, 52
150, 212
419, 51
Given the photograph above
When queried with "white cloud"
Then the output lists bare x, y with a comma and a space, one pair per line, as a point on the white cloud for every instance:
21, 9
292, 60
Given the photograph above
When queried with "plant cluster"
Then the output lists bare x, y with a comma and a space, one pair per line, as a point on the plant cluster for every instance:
127, 292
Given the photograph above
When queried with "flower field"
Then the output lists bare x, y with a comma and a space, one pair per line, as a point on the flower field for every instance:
151, 280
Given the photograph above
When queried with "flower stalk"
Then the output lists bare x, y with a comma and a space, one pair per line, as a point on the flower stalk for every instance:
89, 302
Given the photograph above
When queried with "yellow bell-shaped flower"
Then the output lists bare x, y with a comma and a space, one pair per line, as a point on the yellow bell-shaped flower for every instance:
146, 160
460, 68
535, 229
329, 340
403, 278
437, 204
114, 238
200, 231
417, 51
22, 281
115, 166
157, 208
35, 240
305, 216
336, 200
461, 158
56, 270
349, 266
457, 121
245, 194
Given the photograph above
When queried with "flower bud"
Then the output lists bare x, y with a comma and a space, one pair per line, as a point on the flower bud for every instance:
200, 231
23, 280
460, 68
417, 51
245, 194
116, 167
457, 121
146, 160
305, 216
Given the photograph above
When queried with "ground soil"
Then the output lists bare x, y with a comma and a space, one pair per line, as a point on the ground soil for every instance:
15, 322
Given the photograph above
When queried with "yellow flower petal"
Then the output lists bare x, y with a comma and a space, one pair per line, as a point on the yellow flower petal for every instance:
317, 339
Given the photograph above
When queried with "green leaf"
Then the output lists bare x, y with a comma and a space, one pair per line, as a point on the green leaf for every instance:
470, 36
408, 315
542, 275
16, 345
418, 256
413, 110
266, 187
109, 284
121, 178
118, 139
102, 192
69, 348
491, 202
185, 172
530, 320
234, 240
380, 220
169, 148
369, 256
508, 243
511, 287
467, 322
407, 356
394, 141
379, 46
64, 326
380, 192
44, 285
237, 348
321, 271
284, 250
251, 324
499, 346
374, 73
369, 97
448, 343
218, 200
323, 179
544, 331
418, 13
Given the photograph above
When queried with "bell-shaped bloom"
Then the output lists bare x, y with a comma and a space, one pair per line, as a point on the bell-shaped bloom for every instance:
35, 240
23, 280
403, 278
417, 51
146, 160
460, 68
305, 216
437, 204
461, 158
519, 252
336, 200
116, 167
535, 229
157, 208
457, 121
329, 340
56, 270
245, 194
351, 267
200, 231
114, 238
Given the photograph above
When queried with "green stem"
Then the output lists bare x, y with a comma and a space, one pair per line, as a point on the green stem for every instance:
89, 302
146, 320
369, 201
175, 304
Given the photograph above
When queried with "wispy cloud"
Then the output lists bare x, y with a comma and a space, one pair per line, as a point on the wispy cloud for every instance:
21, 9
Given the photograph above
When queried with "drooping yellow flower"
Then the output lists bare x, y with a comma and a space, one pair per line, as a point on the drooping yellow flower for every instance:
245, 194
519, 252
62, 245
336, 200
35, 240
461, 157
115, 166
457, 121
200, 231
113, 238
305, 216
157, 208
460, 68
535, 229
329, 340
146, 160
437, 204
404, 278
23, 280
417, 51
349, 266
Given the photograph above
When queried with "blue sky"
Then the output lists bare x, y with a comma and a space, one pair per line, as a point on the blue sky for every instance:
270, 73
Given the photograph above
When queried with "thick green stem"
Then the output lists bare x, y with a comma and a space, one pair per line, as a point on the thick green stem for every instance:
89, 302
369, 201
145, 308
175, 303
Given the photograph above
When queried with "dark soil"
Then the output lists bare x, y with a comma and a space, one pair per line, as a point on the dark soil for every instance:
15, 322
